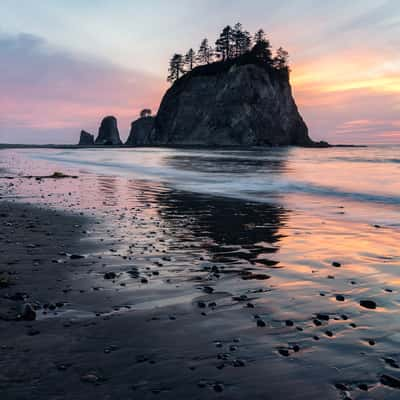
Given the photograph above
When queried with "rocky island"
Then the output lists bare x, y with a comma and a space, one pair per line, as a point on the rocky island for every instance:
238, 94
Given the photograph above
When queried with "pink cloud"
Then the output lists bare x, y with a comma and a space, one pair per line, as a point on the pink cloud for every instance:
58, 94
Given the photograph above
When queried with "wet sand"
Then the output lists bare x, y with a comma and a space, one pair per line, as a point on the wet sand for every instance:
141, 291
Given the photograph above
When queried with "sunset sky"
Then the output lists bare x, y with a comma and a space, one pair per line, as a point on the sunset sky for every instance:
64, 64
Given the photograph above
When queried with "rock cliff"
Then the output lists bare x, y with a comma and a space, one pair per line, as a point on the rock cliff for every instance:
141, 132
86, 139
108, 132
230, 104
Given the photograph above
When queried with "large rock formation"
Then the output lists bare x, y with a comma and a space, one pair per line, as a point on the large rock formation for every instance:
108, 132
86, 139
141, 132
233, 104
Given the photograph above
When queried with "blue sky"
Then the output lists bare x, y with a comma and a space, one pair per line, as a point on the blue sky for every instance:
66, 64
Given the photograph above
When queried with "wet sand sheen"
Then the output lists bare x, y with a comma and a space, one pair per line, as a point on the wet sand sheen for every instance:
236, 298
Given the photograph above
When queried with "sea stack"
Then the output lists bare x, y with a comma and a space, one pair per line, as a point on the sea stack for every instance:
108, 132
238, 102
86, 139
141, 132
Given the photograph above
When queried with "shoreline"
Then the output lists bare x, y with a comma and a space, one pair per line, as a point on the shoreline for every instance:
194, 147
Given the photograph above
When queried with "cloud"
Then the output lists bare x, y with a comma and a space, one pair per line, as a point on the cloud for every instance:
55, 93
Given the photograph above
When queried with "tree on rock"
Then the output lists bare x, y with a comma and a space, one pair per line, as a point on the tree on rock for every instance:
281, 59
262, 51
205, 53
190, 59
224, 44
241, 40
146, 112
176, 69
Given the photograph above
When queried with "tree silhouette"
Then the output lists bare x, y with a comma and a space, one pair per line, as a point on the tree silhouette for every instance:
262, 51
281, 58
190, 59
176, 65
234, 44
241, 40
224, 44
259, 36
205, 53
146, 112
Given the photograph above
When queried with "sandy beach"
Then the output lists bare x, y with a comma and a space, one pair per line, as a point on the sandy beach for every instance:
123, 288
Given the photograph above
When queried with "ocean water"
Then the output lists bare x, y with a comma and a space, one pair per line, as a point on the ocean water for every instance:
360, 183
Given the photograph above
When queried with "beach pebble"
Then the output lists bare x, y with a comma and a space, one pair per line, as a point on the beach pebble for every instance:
28, 313
218, 387
336, 264
260, 323
110, 275
368, 304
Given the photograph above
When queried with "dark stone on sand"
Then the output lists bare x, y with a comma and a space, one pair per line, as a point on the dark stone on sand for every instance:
260, 323
342, 387
108, 132
368, 304
336, 264
392, 363
239, 363
339, 297
110, 275
76, 257
86, 139
289, 322
284, 352
218, 387
390, 381
260, 277
323, 317
28, 313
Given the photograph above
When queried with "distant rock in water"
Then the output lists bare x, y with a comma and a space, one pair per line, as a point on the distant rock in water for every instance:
231, 103
108, 132
86, 139
141, 132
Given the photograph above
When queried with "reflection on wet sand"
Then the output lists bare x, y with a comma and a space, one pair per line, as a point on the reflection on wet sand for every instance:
230, 230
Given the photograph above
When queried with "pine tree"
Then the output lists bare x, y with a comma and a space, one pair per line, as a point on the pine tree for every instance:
205, 53
224, 44
259, 36
190, 59
281, 58
176, 65
146, 112
262, 51
241, 40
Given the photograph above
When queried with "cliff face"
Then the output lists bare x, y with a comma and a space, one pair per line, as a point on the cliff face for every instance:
241, 105
108, 132
86, 139
141, 132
